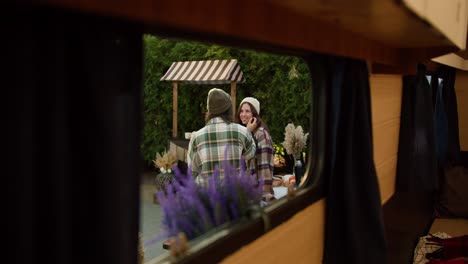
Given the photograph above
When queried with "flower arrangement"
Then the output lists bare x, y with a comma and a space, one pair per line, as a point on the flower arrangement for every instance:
194, 209
294, 139
164, 162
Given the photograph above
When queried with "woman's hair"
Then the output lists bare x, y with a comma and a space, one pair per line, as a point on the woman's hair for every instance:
255, 114
226, 116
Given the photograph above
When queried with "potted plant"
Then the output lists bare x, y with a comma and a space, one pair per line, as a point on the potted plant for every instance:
163, 162
294, 142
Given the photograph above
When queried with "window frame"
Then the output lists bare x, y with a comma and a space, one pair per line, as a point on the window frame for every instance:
223, 241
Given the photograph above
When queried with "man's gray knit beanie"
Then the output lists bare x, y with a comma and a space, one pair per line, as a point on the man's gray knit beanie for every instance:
218, 101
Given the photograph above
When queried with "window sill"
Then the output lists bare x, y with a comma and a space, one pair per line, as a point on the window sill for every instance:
217, 244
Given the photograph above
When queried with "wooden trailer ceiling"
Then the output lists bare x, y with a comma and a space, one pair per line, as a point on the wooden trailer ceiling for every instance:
383, 21
463, 54
457, 59
381, 31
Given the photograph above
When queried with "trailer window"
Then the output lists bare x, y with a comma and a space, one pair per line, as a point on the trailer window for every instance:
282, 84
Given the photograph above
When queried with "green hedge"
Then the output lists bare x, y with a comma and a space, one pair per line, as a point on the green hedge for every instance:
280, 83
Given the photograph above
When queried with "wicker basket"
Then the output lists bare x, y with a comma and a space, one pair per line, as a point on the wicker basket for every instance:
160, 181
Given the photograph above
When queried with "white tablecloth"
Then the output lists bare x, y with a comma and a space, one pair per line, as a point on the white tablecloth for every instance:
281, 191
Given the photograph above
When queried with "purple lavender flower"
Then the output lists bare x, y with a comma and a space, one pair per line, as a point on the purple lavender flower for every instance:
195, 209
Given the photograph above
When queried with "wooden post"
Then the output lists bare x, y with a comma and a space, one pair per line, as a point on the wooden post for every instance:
175, 96
233, 98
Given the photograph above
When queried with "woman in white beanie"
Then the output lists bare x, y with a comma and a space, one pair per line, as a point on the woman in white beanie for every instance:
249, 115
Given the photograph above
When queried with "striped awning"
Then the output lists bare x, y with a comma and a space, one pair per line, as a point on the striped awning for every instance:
205, 72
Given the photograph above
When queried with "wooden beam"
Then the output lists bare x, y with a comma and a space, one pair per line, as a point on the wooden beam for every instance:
175, 96
452, 60
233, 98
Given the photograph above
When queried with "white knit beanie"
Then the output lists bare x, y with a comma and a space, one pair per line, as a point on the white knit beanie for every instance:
252, 101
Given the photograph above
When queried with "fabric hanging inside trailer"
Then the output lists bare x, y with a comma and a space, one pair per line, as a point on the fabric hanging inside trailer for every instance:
446, 117
354, 231
417, 162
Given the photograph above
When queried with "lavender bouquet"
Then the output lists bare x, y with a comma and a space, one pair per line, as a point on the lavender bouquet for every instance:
194, 209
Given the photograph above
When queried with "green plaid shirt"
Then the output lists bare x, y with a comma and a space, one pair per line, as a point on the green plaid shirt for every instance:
207, 147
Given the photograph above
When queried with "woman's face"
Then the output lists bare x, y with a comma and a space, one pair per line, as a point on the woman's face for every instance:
245, 114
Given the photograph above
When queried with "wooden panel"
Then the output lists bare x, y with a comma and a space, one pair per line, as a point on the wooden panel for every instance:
240, 21
461, 89
378, 30
452, 60
386, 97
449, 17
298, 240
453, 226
386, 92
386, 138
386, 173
175, 98
180, 152
386, 21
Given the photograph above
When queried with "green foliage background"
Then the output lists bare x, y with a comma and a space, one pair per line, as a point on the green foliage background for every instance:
281, 84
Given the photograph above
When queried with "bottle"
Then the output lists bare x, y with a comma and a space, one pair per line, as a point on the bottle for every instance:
298, 170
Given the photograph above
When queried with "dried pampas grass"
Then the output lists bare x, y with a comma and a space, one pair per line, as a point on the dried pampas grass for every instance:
165, 161
294, 139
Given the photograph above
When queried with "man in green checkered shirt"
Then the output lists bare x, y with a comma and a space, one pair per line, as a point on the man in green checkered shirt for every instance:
219, 140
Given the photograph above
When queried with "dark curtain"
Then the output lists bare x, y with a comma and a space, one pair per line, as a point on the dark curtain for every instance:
417, 161
446, 117
354, 225
71, 91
